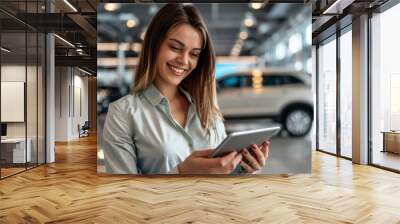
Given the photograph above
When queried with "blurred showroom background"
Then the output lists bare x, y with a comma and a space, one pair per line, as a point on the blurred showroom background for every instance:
263, 69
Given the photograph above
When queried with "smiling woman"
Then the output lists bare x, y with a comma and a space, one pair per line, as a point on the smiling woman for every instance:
170, 123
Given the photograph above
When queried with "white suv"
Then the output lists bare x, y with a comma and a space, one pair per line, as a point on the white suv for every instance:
284, 96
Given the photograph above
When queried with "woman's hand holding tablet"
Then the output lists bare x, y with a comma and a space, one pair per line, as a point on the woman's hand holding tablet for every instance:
255, 158
246, 143
238, 148
237, 141
199, 162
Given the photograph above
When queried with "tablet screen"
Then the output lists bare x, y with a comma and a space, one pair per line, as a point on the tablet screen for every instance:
236, 141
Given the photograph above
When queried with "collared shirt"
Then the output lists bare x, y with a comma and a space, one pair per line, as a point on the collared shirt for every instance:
142, 137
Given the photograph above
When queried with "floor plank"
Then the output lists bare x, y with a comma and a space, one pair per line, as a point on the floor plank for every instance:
70, 191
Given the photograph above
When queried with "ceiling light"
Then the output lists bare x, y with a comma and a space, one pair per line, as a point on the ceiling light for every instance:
5, 49
248, 22
111, 6
136, 47
65, 41
249, 19
113, 62
130, 23
119, 46
107, 46
124, 46
236, 49
243, 35
70, 5
256, 5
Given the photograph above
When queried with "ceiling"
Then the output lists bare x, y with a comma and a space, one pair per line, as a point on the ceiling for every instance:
224, 21
76, 24
81, 26
328, 16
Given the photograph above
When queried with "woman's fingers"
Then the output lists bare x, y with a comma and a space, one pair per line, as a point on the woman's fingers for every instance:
246, 167
260, 155
237, 159
199, 162
227, 162
265, 148
252, 161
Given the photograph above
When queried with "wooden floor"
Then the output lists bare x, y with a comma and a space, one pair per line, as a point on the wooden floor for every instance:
10, 171
70, 191
387, 159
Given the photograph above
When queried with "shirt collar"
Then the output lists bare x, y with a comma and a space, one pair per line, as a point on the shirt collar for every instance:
155, 96
187, 95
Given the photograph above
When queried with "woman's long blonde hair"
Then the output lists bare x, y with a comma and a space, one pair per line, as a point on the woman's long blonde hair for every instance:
200, 83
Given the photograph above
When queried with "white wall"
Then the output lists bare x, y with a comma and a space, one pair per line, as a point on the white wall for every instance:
17, 73
61, 103
80, 100
71, 92
33, 126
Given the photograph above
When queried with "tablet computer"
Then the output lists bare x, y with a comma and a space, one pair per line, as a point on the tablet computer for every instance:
236, 141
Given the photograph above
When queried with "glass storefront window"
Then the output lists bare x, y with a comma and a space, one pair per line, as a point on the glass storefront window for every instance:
327, 96
346, 94
385, 89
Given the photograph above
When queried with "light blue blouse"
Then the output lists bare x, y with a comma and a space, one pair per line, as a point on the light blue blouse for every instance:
141, 136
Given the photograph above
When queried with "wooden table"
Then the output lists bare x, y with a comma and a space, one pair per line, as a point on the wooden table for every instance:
391, 141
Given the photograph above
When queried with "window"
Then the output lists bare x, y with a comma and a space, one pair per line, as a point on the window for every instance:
280, 51
346, 94
275, 80
327, 96
292, 80
309, 65
309, 34
385, 88
236, 81
230, 82
295, 43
